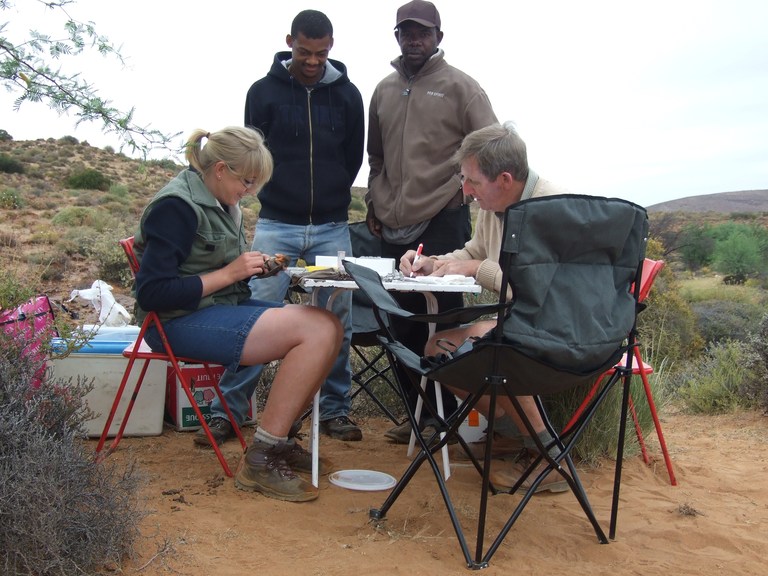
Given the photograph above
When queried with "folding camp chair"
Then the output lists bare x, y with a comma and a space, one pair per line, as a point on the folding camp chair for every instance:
140, 351
374, 365
651, 269
570, 261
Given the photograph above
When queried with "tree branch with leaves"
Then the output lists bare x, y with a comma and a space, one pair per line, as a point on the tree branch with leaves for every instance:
28, 68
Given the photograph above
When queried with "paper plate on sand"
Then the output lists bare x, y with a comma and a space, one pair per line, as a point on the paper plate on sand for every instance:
369, 480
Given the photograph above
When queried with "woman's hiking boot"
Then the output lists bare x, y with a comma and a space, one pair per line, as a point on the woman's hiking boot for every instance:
263, 468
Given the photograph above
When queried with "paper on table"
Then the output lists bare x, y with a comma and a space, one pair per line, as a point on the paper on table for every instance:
447, 279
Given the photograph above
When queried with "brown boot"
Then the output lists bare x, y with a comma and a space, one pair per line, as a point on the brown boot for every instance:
263, 468
505, 474
221, 430
503, 448
300, 460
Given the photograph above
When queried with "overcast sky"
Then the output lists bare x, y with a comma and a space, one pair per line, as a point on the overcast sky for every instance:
648, 101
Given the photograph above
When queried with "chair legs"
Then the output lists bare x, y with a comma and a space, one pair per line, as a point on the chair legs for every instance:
560, 464
425, 454
203, 424
137, 353
441, 413
115, 405
656, 422
642, 369
370, 373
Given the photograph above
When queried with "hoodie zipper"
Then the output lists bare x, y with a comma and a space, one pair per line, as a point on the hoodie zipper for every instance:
311, 156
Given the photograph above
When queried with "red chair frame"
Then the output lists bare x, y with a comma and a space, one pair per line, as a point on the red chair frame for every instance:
142, 352
651, 269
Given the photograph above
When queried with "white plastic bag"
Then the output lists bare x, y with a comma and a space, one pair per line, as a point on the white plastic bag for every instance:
100, 295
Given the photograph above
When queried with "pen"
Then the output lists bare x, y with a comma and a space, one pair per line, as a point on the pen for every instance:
416, 258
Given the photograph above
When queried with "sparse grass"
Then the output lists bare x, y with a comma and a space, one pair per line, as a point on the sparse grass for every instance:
43, 237
729, 376
10, 199
686, 509
703, 288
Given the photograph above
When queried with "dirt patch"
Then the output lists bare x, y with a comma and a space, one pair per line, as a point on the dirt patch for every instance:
714, 522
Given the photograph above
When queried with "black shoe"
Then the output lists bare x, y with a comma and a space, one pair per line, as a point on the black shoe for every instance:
341, 428
221, 430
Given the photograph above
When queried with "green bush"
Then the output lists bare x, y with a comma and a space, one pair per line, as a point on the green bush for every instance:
4, 136
76, 216
357, 205
110, 257
13, 291
70, 140
10, 165
738, 254
720, 320
667, 326
88, 179
758, 390
10, 199
718, 380
118, 190
166, 164
697, 245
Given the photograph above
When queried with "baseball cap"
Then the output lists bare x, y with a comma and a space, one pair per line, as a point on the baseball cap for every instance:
419, 11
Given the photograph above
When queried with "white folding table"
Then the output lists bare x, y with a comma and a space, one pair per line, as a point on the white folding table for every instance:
424, 285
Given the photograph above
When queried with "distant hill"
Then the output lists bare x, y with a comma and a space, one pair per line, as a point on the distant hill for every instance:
723, 202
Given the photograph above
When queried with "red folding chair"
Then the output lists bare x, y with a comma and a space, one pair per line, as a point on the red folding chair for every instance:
143, 352
651, 269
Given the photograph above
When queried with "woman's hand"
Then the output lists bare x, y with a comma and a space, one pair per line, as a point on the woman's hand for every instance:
248, 264
241, 268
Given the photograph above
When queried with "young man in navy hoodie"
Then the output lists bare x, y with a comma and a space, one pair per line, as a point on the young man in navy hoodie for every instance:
312, 118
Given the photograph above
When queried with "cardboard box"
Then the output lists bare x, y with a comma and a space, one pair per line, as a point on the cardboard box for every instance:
383, 266
103, 362
179, 409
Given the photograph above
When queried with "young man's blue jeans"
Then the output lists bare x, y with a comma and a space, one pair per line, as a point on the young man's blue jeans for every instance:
305, 242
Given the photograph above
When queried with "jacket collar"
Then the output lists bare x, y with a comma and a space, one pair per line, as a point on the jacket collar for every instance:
435, 61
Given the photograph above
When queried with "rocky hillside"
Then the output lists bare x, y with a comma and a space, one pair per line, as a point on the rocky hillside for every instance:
49, 231
724, 203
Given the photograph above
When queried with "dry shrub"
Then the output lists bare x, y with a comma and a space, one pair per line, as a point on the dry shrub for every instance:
61, 513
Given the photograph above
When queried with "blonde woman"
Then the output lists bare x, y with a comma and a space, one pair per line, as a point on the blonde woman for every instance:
194, 272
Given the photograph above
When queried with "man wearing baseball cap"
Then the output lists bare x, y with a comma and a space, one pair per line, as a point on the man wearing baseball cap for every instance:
423, 13
418, 117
